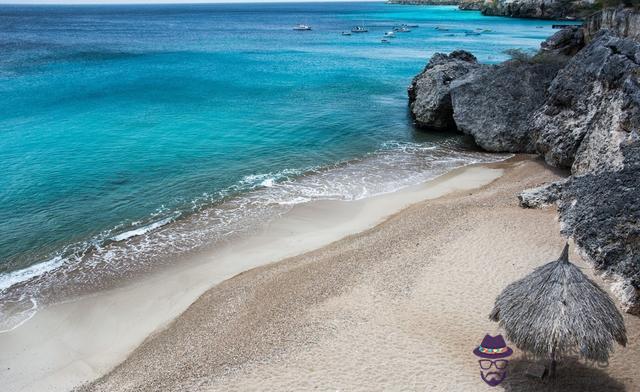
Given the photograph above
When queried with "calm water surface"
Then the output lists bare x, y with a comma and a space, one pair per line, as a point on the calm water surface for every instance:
133, 134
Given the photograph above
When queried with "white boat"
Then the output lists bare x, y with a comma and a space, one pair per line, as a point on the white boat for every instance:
302, 27
401, 29
346, 33
390, 34
359, 29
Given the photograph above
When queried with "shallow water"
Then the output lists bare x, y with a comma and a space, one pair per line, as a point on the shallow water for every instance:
134, 134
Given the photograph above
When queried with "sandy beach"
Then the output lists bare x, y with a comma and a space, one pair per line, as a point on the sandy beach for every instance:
79, 340
397, 307
248, 197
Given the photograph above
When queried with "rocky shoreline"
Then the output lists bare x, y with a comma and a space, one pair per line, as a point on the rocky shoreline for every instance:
577, 104
423, 2
537, 9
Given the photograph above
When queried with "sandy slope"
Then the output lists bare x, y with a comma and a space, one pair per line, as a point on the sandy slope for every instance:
80, 339
397, 307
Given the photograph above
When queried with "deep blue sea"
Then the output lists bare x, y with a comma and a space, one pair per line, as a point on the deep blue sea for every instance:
132, 134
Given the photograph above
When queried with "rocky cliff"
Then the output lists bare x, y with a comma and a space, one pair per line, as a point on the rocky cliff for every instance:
424, 2
577, 104
539, 9
470, 5
624, 22
592, 107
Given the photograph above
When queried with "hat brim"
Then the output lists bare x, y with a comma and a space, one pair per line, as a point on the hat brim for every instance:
505, 354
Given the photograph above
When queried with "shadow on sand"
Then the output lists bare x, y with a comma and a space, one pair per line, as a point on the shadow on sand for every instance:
571, 376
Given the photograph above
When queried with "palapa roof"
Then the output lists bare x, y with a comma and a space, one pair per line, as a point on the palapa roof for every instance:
558, 306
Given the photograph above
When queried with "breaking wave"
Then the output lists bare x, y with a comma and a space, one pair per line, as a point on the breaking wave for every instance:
133, 249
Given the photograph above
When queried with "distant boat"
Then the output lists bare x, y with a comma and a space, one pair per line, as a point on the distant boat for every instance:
472, 33
346, 33
401, 29
413, 26
390, 34
302, 27
441, 28
359, 29
384, 41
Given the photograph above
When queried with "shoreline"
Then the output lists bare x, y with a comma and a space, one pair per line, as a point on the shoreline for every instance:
109, 325
115, 258
399, 306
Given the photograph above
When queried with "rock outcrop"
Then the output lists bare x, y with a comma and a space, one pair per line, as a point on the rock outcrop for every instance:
602, 214
566, 42
494, 104
582, 115
593, 107
470, 5
623, 22
590, 123
424, 2
429, 95
538, 9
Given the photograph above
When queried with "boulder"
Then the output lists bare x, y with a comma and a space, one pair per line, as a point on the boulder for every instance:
429, 97
494, 104
593, 107
542, 196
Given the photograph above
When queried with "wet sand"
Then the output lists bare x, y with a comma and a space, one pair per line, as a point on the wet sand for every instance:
77, 341
397, 307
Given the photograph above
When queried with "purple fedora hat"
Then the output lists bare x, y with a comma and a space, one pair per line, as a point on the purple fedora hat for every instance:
493, 347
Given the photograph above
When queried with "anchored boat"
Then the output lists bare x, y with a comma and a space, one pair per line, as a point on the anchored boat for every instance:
302, 27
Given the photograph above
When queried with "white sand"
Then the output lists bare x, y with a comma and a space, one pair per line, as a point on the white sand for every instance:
397, 307
67, 344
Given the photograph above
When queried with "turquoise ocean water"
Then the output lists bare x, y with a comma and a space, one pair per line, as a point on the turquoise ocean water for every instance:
133, 134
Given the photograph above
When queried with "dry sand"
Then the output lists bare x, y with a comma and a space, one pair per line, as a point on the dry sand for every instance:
83, 338
397, 307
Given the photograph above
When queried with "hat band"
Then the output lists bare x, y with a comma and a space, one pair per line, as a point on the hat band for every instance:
492, 350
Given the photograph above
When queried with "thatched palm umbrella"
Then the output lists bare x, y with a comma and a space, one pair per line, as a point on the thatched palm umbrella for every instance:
557, 310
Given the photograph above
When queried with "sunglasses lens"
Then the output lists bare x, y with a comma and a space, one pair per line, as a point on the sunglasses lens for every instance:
501, 364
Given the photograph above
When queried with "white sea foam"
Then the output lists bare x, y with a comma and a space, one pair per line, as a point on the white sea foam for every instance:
245, 206
19, 276
16, 319
142, 230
